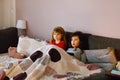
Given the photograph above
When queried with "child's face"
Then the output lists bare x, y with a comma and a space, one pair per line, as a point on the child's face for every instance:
75, 42
57, 36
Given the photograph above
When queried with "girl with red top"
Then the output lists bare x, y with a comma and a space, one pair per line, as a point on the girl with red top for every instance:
58, 37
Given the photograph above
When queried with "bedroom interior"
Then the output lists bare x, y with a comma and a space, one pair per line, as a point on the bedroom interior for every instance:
104, 55
99, 24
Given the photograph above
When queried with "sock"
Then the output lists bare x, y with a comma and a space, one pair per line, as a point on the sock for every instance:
54, 55
28, 62
36, 55
20, 76
6, 78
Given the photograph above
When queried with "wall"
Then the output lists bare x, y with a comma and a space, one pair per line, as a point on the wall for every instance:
7, 13
101, 17
1, 10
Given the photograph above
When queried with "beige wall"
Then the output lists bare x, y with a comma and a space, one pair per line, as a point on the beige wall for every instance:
7, 13
101, 17
1, 12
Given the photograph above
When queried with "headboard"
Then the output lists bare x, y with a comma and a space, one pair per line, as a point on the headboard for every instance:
8, 37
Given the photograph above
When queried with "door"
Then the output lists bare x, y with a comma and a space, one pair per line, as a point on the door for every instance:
7, 13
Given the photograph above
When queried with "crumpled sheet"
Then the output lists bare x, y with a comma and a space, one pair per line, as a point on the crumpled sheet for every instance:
64, 67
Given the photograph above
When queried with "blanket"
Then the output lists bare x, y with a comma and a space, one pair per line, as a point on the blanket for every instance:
48, 62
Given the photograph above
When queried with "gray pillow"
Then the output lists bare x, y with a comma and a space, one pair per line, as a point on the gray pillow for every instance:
101, 55
104, 57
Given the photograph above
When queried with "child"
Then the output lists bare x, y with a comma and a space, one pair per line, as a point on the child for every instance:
58, 37
75, 50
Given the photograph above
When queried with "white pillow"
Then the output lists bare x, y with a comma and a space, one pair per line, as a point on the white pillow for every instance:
27, 45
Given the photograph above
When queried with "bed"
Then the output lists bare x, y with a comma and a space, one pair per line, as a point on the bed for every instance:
47, 66
65, 67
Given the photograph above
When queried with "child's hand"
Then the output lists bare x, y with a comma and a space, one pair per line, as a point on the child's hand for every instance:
92, 67
48, 41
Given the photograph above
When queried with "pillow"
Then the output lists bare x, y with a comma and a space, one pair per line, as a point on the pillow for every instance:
27, 45
102, 57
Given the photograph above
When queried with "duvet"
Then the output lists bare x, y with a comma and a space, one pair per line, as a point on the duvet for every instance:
48, 62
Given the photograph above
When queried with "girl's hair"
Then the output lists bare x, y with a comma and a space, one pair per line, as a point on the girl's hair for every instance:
60, 30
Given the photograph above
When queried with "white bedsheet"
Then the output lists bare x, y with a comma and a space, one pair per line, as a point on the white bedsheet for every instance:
44, 68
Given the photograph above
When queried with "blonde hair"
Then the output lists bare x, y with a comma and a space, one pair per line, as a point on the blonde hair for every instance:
60, 30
